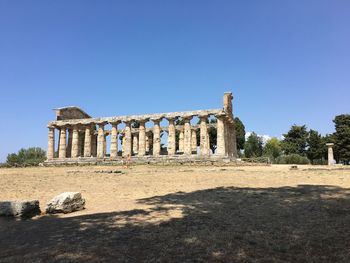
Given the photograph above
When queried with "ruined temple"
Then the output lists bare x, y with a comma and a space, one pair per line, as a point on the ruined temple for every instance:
83, 139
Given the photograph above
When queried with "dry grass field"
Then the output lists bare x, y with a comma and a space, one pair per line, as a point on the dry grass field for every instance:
181, 214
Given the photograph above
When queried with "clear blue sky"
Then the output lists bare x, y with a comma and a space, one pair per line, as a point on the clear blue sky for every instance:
285, 61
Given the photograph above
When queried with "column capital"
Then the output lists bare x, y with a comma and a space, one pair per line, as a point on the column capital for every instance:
156, 120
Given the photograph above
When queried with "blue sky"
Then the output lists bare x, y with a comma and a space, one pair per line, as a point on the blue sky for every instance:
285, 61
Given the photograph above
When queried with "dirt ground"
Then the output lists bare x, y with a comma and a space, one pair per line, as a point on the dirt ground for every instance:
181, 214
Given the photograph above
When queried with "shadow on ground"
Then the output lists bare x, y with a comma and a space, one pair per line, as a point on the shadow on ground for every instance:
307, 223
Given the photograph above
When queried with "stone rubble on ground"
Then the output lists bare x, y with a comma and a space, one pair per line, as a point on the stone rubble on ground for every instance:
24, 209
66, 202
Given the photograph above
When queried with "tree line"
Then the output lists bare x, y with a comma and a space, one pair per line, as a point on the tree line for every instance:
299, 145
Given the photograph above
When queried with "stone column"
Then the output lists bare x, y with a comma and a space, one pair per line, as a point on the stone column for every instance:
81, 143
114, 141
142, 139
220, 150
69, 145
148, 142
51, 143
181, 140
187, 137
156, 138
75, 142
204, 138
127, 150
135, 143
105, 145
87, 142
171, 137
62, 146
330, 153
93, 144
100, 140
194, 140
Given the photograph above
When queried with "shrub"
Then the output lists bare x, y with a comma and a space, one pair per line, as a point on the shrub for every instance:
26, 157
292, 159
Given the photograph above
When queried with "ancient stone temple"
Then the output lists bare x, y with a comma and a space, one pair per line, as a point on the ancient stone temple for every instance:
84, 139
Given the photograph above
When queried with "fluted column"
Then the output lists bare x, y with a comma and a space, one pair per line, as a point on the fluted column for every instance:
156, 138
100, 141
135, 143
114, 141
69, 145
93, 143
187, 137
181, 141
142, 139
171, 137
220, 150
51, 143
127, 140
62, 146
194, 140
148, 142
204, 138
87, 142
75, 142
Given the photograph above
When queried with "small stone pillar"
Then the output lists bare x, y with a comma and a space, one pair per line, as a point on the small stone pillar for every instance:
148, 142
171, 137
127, 144
330, 153
142, 139
75, 142
62, 146
100, 140
114, 141
156, 137
220, 150
51, 143
87, 142
204, 136
194, 140
187, 137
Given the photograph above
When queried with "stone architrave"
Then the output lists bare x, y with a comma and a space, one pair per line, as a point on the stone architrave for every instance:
187, 137
142, 139
51, 143
87, 141
171, 137
127, 144
156, 137
330, 153
62, 146
114, 141
75, 142
100, 141
220, 150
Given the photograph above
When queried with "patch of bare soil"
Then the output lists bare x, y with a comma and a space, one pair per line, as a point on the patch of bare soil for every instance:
181, 214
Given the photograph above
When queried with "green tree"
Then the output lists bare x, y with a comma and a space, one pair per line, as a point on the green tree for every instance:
342, 138
316, 147
30, 156
272, 149
253, 147
240, 134
295, 141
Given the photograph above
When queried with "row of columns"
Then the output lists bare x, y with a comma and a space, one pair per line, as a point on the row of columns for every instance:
84, 142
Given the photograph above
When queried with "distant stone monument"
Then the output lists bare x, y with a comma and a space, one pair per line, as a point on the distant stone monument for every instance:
330, 153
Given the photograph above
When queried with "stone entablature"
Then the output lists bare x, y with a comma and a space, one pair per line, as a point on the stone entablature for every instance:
79, 135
